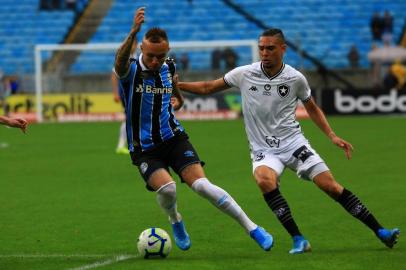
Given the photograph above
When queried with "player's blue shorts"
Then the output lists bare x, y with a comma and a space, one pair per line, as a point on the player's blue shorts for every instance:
176, 153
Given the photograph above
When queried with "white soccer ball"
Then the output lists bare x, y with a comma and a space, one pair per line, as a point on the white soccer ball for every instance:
154, 243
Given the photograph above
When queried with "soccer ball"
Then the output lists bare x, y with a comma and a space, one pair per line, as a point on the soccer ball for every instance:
154, 243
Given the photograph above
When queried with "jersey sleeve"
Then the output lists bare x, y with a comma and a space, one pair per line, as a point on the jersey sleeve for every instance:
233, 77
131, 69
303, 89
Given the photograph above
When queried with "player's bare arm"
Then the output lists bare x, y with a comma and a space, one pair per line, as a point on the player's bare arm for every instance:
114, 82
121, 64
203, 87
177, 99
318, 117
20, 123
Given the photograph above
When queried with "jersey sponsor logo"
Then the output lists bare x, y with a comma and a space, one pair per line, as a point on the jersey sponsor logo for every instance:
143, 167
253, 74
149, 89
253, 88
287, 78
189, 153
267, 91
283, 90
259, 157
272, 141
302, 153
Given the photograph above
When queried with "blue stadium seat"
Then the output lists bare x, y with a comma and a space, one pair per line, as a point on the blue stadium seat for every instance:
325, 30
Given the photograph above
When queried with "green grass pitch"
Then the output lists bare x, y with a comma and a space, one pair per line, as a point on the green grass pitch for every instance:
67, 201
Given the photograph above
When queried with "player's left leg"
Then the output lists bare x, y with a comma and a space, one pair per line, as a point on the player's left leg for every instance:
326, 182
194, 176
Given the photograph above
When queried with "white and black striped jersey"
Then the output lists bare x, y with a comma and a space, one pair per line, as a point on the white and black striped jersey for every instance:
269, 103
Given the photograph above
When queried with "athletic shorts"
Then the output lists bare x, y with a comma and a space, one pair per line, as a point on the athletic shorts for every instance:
176, 153
298, 156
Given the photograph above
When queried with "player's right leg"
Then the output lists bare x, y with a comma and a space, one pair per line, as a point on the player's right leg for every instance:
266, 171
156, 175
165, 188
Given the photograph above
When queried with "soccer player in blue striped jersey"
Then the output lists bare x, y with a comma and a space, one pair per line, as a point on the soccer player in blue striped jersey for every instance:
156, 139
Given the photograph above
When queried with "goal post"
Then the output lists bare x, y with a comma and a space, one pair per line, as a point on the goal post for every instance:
45, 52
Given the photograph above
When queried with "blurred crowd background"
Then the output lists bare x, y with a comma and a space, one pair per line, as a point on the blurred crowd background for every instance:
337, 43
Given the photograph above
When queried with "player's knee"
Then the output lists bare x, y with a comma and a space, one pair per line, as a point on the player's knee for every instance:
266, 180
200, 186
333, 189
167, 190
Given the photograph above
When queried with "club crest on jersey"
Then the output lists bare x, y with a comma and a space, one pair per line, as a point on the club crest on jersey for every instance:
283, 90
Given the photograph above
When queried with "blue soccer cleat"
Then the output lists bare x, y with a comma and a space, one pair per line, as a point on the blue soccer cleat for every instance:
389, 237
262, 237
300, 245
182, 238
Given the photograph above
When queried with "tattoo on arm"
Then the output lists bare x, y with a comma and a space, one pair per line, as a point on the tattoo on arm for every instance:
122, 63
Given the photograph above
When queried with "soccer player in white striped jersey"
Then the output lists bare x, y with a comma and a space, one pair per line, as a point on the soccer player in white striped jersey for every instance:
270, 91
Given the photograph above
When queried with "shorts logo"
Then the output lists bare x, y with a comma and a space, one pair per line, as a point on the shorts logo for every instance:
272, 141
143, 167
189, 153
259, 157
302, 153
283, 90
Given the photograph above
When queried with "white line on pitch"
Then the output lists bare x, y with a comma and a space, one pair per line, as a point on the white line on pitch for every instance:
116, 259
40, 256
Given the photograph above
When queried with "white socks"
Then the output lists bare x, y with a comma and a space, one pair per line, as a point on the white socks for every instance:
122, 139
166, 197
222, 200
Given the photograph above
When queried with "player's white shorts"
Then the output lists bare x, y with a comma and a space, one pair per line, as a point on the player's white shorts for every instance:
297, 154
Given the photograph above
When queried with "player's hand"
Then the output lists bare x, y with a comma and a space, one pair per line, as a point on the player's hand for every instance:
176, 104
177, 100
175, 80
116, 99
19, 123
346, 146
139, 18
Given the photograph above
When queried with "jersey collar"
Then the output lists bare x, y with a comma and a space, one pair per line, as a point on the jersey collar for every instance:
143, 67
274, 76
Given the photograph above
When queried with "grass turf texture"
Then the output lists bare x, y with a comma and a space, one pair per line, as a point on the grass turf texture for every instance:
66, 197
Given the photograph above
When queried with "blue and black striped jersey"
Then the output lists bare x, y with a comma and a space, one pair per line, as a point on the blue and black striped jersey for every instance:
150, 118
